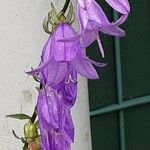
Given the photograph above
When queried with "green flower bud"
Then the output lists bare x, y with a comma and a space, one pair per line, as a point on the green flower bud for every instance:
30, 131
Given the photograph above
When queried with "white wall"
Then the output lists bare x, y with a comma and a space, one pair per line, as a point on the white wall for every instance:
21, 40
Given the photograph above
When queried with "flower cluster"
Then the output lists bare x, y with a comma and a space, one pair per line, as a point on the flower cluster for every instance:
63, 57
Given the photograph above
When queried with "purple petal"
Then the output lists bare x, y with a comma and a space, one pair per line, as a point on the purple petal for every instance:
39, 69
112, 30
47, 51
121, 6
85, 4
69, 127
48, 107
70, 90
96, 63
84, 67
58, 132
64, 51
93, 13
70, 39
55, 72
88, 37
121, 20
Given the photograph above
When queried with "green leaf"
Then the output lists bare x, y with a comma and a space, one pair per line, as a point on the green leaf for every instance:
19, 116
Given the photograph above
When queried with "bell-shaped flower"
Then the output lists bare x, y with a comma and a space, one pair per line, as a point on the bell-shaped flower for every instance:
60, 63
59, 58
92, 19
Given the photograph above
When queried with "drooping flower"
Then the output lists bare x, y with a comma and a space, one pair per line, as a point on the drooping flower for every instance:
92, 19
59, 57
60, 63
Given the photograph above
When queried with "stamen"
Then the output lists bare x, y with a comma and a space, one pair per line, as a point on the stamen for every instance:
70, 79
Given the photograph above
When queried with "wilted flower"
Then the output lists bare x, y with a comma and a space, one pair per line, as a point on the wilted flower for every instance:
92, 19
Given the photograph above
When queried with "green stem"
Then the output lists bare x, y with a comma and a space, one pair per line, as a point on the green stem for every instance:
34, 115
33, 118
65, 6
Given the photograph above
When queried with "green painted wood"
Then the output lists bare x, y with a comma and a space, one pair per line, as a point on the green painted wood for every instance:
105, 135
137, 127
119, 87
135, 48
126, 104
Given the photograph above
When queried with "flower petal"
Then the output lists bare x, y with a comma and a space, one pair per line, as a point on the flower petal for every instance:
84, 67
55, 72
121, 6
69, 127
47, 51
112, 30
121, 20
93, 14
39, 68
85, 4
88, 37
96, 63
48, 108
64, 51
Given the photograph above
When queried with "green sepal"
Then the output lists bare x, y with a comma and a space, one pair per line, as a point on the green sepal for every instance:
19, 116
37, 124
55, 17
36, 78
15, 135
45, 26
38, 88
70, 13
53, 8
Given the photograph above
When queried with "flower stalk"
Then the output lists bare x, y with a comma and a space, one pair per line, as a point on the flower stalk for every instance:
65, 6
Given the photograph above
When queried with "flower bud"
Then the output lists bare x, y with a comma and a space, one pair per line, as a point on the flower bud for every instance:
30, 131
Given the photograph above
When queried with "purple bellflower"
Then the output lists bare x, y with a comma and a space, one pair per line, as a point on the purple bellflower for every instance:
60, 63
92, 19
59, 57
